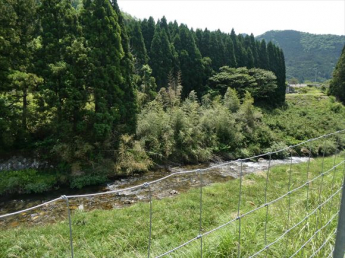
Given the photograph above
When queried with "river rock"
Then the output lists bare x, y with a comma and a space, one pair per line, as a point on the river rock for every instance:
20, 163
173, 192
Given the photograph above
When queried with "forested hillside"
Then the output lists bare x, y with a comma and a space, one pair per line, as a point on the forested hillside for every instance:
174, 50
78, 79
307, 55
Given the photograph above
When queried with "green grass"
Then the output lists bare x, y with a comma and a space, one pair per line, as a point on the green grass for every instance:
308, 116
124, 232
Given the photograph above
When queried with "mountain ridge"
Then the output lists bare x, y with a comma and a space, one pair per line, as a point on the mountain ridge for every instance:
308, 56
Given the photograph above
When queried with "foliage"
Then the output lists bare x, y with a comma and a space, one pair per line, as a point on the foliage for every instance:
67, 93
307, 55
26, 181
124, 232
131, 157
337, 86
189, 131
309, 115
260, 83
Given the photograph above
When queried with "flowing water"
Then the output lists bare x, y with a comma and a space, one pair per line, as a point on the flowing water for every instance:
166, 188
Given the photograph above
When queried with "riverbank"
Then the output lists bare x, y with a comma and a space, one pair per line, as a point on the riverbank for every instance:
124, 232
171, 186
308, 116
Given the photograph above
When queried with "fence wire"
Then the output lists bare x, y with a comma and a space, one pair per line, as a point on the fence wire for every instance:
323, 216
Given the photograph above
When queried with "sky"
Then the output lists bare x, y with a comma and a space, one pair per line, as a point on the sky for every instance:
246, 16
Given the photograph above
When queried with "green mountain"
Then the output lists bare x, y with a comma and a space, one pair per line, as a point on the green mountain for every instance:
307, 55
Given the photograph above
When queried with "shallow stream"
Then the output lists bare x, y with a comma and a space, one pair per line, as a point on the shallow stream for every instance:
166, 188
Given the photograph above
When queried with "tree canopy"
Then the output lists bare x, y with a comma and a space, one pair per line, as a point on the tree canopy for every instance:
337, 86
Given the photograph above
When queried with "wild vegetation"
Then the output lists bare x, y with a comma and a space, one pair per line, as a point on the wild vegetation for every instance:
97, 93
308, 56
74, 75
124, 232
337, 85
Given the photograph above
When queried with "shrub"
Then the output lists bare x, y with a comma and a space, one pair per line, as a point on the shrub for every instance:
26, 181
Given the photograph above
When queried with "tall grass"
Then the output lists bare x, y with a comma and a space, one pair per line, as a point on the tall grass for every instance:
124, 232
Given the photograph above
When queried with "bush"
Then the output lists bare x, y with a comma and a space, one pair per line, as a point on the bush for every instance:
85, 180
26, 181
278, 146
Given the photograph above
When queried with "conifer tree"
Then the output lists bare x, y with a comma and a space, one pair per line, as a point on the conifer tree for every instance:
162, 58
190, 61
59, 30
148, 30
138, 47
230, 53
337, 86
254, 50
250, 58
263, 57
17, 34
111, 68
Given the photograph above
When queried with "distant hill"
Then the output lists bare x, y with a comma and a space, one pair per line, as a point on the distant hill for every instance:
307, 54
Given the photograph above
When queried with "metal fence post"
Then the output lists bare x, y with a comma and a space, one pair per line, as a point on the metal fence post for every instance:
339, 248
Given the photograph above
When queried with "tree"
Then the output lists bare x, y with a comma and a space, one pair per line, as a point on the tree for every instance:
337, 86
263, 57
230, 53
138, 47
190, 61
258, 82
148, 30
109, 79
162, 58
18, 80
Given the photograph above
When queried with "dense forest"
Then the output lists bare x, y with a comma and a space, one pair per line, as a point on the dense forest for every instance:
308, 56
87, 88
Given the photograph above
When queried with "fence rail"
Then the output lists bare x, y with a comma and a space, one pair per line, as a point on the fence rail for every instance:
318, 211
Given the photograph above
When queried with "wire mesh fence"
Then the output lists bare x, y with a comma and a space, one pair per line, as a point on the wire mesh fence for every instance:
279, 204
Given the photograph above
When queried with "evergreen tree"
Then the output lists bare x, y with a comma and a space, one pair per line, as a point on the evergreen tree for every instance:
337, 86
148, 30
190, 61
254, 50
163, 25
138, 47
129, 109
111, 68
205, 43
59, 30
173, 28
263, 57
230, 53
250, 58
18, 81
162, 58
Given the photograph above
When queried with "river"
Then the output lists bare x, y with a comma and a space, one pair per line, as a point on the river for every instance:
170, 187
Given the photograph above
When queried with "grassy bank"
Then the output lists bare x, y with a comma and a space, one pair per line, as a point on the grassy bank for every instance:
124, 232
305, 116
193, 132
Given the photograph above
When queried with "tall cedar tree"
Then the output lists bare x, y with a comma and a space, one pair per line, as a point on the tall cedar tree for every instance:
111, 69
138, 47
190, 61
61, 60
17, 32
337, 86
148, 30
162, 59
129, 107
